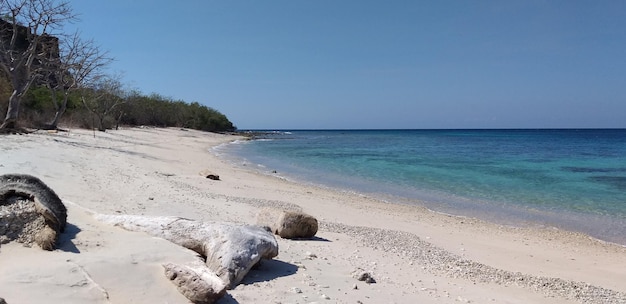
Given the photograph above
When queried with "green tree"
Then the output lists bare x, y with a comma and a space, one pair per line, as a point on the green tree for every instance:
103, 96
79, 63
27, 41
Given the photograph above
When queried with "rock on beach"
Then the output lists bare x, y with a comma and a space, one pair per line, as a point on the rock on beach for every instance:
288, 224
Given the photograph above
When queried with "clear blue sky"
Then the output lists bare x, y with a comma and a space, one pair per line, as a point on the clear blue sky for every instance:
374, 64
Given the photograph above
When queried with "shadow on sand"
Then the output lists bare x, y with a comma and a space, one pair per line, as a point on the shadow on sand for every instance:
316, 238
266, 270
65, 239
227, 299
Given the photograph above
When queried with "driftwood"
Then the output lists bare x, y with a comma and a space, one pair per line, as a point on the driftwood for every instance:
229, 250
196, 282
32, 212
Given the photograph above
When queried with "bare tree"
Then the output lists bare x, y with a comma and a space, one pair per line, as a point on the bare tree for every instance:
80, 62
27, 38
101, 97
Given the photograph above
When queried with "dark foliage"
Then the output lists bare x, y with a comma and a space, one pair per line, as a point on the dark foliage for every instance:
156, 110
137, 109
90, 104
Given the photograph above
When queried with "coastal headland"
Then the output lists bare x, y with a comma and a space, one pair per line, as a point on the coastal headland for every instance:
413, 254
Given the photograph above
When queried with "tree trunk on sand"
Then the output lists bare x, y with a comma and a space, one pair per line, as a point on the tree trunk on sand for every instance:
20, 83
57, 116
53, 125
10, 120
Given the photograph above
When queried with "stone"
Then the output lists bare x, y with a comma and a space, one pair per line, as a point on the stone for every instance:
213, 177
363, 275
296, 290
288, 224
230, 250
30, 212
210, 175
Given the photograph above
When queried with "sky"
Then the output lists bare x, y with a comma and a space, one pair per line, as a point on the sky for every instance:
361, 64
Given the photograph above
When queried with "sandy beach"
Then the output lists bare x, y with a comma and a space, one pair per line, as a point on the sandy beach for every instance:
414, 255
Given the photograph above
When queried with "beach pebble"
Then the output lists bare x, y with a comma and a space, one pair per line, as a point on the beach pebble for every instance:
364, 276
208, 174
310, 255
325, 297
355, 286
213, 177
462, 300
296, 290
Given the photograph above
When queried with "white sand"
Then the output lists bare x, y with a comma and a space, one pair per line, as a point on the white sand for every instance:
157, 172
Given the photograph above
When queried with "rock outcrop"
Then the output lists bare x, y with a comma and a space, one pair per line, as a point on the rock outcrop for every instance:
288, 224
30, 212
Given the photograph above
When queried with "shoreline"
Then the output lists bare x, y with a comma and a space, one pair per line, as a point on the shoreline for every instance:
415, 254
490, 212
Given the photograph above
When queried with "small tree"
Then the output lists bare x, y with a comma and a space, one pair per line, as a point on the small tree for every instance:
27, 39
102, 97
80, 61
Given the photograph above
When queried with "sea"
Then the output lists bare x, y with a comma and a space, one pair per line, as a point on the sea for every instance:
571, 179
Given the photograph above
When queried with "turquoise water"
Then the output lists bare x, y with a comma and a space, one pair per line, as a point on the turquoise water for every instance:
571, 179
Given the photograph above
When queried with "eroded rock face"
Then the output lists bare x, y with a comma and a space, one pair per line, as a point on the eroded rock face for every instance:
288, 224
30, 212
231, 250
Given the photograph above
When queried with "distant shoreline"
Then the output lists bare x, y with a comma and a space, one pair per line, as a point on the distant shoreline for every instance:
244, 131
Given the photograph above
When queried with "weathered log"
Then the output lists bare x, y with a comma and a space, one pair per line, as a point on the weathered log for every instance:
196, 282
230, 250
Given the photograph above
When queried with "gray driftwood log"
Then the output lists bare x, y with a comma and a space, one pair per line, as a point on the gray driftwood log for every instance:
230, 250
288, 224
31, 212
196, 282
